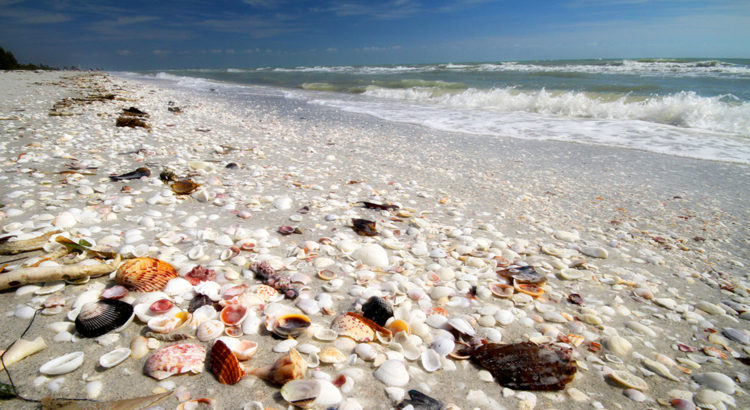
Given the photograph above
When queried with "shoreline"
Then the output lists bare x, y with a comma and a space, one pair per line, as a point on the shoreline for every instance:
527, 190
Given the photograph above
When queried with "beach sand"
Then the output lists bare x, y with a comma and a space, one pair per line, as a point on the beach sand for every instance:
675, 228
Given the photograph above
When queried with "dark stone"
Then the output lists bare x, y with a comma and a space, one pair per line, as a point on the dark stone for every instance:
377, 310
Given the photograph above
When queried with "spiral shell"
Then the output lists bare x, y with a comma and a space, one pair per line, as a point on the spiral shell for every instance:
145, 274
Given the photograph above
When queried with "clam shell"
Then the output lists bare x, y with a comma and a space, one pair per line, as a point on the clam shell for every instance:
115, 292
392, 373
618, 345
103, 316
145, 274
311, 393
628, 380
431, 360
716, 381
175, 359
288, 325
366, 351
233, 315
114, 357
224, 364
177, 286
62, 364
209, 330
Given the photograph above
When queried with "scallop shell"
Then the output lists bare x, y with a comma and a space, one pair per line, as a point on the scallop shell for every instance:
175, 359
354, 327
103, 316
145, 274
224, 364
392, 373
311, 393
62, 364
209, 330
114, 357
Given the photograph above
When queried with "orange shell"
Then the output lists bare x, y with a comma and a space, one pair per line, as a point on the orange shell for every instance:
354, 327
399, 326
145, 274
531, 290
224, 364
266, 293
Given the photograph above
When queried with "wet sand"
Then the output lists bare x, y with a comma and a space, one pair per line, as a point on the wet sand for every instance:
675, 226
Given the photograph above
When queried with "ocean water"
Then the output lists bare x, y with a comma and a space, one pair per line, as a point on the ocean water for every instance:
698, 108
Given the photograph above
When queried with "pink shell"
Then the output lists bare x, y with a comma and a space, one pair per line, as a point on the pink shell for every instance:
161, 306
233, 315
115, 292
175, 359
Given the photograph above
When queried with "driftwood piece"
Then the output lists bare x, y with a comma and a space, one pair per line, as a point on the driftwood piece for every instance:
32, 244
50, 403
25, 276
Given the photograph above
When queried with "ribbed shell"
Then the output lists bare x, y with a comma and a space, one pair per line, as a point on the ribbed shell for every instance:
145, 274
175, 359
102, 316
224, 364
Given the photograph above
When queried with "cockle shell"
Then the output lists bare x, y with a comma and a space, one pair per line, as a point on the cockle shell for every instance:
103, 316
224, 364
320, 394
392, 373
175, 359
63, 364
145, 274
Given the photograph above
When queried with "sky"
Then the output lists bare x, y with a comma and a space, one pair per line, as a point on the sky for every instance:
165, 34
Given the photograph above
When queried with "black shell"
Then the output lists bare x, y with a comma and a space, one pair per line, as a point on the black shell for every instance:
420, 401
377, 310
102, 316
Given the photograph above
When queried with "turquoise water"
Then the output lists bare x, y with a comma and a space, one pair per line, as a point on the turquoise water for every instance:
697, 108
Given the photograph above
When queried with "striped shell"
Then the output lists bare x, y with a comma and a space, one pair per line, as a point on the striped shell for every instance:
175, 359
145, 274
102, 316
224, 364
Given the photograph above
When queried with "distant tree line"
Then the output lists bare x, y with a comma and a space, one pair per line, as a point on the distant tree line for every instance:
8, 62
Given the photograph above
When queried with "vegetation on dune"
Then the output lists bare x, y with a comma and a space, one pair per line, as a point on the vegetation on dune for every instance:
8, 62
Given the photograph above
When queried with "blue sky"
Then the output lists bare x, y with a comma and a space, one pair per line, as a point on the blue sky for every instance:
160, 34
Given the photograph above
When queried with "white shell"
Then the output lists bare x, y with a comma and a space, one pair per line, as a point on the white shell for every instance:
431, 360
284, 346
372, 255
325, 394
392, 373
462, 326
114, 357
63, 364
326, 334
177, 286
196, 252
618, 345
366, 351
716, 381
443, 346
209, 330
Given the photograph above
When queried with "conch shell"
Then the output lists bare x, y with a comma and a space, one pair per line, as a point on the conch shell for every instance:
291, 366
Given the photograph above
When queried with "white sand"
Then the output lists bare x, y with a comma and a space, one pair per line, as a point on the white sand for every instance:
526, 189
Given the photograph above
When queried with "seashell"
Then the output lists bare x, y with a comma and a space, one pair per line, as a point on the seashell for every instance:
64, 220
326, 335
659, 369
640, 328
738, 335
431, 360
175, 359
320, 394
716, 381
234, 315
103, 316
619, 345
224, 364
284, 346
288, 325
462, 326
443, 346
526, 275
331, 355
571, 274
22, 349
354, 327
289, 367
145, 274
628, 380
209, 330
377, 310
177, 286
392, 373
635, 395
196, 252
167, 323
326, 274
139, 347
161, 306
531, 290
501, 290
372, 255
366, 351
63, 364
114, 357
397, 326
709, 399
115, 292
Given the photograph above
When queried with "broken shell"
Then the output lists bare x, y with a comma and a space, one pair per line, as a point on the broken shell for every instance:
354, 327
103, 316
114, 357
224, 364
289, 367
63, 364
177, 286
628, 380
331, 355
531, 290
145, 274
392, 373
22, 349
175, 359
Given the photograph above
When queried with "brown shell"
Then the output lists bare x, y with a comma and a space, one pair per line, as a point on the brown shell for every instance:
289, 367
184, 187
224, 364
145, 274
